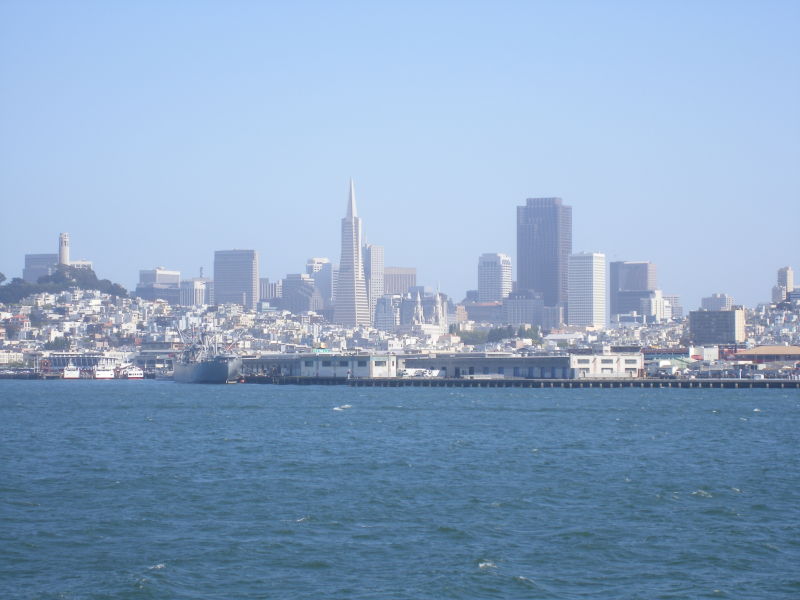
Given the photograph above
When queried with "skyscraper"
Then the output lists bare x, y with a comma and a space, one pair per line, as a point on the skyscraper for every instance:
373, 274
544, 243
494, 277
587, 290
786, 278
397, 280
321, 270
630, 284
236, 277
352, 306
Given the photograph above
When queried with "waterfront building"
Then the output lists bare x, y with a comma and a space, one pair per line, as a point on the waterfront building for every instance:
717, 326
544, 244
587, 290
39, 265
398, 280
373, 274
494, 277
352, 305
321, 269
236, 277
717, 302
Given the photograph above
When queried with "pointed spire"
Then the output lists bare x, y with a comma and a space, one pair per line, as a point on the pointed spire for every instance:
351, 204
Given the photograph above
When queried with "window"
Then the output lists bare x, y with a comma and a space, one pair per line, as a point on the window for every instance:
342, 363
631, 361
362, 363
380, 363
501, 370
485, 370
607, 361
516, 371
309, 363
326, 363
583, 361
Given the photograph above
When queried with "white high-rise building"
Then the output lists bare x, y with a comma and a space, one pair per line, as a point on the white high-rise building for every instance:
586, 279
494, 277
786, 278
373, 274
352, 305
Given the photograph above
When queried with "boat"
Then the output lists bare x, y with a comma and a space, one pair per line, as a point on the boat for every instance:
102, 373
203, 361
71, 372
132, 373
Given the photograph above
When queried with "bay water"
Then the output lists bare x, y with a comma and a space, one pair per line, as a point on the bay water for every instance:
150, 489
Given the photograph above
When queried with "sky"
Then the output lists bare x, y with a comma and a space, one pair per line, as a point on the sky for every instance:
157, 132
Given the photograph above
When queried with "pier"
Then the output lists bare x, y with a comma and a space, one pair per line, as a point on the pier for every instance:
431, 382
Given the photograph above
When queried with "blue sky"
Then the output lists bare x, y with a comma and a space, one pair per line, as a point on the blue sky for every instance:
157, 132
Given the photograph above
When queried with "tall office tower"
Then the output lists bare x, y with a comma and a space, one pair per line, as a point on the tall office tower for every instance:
299, 294
159, 284
717, 302
38, 265
373, 273
397, 280
321, 269
587, 290
630, 284
269, 290
494, 277
236, 277
544, 243
63, 249
676, 308
387, 312
352, 306
193, 292
786, 278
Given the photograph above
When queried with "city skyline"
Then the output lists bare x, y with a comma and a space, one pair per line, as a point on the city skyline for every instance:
681, 154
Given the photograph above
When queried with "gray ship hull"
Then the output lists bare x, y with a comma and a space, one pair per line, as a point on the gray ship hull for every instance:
220, 369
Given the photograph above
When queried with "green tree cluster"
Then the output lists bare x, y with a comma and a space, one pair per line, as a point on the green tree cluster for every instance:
62, 279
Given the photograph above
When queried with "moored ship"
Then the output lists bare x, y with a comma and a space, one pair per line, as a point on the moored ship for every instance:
202, 361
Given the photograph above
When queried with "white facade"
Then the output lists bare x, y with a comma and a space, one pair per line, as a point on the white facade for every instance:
373, 273
717, 302
494, 277
606, 365
586, 283
333, 365
352, 305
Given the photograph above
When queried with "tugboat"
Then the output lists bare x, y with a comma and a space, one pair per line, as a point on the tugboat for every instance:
203, 361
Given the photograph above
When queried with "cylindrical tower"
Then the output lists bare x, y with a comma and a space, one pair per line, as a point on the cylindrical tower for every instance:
63, 249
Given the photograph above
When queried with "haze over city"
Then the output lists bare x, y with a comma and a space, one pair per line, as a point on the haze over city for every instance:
157, 134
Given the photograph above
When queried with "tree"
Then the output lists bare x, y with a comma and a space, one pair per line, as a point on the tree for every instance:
2, 278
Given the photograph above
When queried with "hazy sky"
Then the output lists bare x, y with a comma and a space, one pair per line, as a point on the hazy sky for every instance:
157, 132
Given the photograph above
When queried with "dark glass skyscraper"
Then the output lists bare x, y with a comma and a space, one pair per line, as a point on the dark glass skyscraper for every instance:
544, 243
